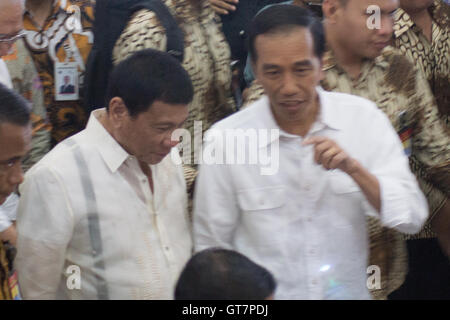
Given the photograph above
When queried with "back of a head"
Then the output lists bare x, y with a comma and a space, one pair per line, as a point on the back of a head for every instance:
280, 18
147, 76
14, 109
220, 274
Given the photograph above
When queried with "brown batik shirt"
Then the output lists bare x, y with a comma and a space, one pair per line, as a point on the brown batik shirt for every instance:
433, 58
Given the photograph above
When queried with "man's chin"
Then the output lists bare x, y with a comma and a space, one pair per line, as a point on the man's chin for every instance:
2, 199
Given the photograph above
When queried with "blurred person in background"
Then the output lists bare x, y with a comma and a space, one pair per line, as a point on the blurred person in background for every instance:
20, 74
15, 137
422, 33
59, 38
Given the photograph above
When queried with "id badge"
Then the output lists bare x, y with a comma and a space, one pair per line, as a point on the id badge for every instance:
66, 81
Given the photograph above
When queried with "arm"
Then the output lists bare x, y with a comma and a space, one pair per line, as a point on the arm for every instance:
403, 205
331, 156
44, 226
215, 210
385, 179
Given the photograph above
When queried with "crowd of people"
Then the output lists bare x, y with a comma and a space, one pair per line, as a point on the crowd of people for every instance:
119, 168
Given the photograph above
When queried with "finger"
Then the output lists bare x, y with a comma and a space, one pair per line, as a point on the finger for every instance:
320, 148
224, 5
337, 160
327, 157
219, 10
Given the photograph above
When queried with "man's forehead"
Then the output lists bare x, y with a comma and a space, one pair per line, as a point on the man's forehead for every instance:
366, 3
161, 112
14, 139
297, 43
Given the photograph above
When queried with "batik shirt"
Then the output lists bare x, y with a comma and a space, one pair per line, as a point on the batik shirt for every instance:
206, 57
25, 81
433, 58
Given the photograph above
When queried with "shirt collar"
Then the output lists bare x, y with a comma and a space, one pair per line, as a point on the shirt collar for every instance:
329, 60
403, 22
439, 11
327, 117
110, 150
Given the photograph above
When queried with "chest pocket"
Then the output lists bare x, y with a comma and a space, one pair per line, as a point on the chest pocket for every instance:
258, 199
342, 183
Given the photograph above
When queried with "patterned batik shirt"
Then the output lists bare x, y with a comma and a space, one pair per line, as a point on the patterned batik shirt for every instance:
433, 58
206, 57
56, 42
26, 82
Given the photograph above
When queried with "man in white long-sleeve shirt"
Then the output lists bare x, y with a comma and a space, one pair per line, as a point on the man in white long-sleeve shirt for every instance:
336, 159
104, 214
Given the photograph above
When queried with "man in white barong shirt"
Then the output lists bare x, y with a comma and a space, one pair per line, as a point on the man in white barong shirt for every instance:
104, 214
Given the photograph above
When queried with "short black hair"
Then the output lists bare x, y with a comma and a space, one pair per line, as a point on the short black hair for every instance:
283, 18
221, 274
14, 108
147, 76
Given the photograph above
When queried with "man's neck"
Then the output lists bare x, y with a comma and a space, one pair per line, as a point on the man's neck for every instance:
424, 21
40, 9
344, 57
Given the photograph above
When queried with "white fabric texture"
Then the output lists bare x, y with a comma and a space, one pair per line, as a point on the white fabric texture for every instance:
5, 78
146, 237
8, 211
305, 224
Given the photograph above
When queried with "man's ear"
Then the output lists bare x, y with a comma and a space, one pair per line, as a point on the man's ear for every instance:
330, 9
117, 111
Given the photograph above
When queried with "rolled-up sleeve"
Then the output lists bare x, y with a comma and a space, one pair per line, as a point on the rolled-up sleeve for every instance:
403, 205
44, 226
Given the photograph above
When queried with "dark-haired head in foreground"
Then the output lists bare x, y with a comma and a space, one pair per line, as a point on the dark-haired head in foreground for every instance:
220, 274
15, 137
147, 99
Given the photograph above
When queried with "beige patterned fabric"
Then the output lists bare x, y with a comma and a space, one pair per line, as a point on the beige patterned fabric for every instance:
206, 57
393, 83
432, 58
